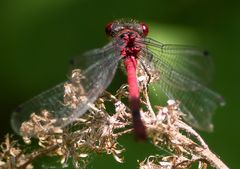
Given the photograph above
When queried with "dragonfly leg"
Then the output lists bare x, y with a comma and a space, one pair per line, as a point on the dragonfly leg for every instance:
147, 72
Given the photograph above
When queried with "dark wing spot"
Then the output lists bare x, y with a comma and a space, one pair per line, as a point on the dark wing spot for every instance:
205, 53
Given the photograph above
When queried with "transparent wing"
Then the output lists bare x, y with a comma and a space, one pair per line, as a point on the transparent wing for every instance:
188, 60
92, 56
51, 100
97, 77
183, 73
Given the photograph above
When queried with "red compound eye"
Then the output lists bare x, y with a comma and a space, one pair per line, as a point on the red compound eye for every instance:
145, 29
108, 29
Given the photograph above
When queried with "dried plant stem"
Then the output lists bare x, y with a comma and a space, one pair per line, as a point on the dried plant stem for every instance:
145, 93
98, 131
190, 130
201, 152
211, 158
39, 153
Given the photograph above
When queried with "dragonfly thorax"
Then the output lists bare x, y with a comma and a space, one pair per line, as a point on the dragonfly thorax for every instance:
129, 46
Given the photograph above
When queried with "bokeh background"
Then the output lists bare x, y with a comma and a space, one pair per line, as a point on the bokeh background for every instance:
37, 39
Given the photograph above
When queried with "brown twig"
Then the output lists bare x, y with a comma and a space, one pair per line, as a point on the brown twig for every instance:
98, 131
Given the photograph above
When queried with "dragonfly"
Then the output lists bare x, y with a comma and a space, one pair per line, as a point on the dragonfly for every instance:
184, 72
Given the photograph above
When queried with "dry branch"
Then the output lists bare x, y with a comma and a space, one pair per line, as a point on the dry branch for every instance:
98, 132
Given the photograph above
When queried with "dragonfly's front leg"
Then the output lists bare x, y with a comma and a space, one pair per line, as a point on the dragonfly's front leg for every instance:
145, 75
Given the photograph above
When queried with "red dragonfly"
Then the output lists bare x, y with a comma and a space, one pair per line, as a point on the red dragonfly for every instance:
184, 71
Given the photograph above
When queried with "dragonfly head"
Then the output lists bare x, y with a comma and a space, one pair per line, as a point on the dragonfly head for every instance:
115, 28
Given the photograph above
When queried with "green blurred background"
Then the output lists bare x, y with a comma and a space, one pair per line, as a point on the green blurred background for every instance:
38, 37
